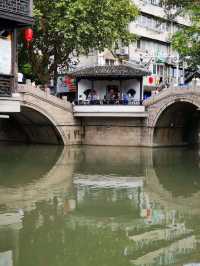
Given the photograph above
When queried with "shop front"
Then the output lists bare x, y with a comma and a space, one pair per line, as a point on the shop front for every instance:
14, 14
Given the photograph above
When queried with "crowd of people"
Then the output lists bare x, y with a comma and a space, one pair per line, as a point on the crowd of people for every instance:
112, 97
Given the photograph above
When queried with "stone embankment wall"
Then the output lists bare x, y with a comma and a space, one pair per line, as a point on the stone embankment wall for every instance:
114, 131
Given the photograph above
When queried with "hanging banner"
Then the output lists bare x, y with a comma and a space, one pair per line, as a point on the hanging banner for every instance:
71, 84
5, 55
66, 84
61, 85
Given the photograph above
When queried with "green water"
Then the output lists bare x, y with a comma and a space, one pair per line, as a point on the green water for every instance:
97, 206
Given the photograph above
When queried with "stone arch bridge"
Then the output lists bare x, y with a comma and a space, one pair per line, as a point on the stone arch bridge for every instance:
171, 118
43, 119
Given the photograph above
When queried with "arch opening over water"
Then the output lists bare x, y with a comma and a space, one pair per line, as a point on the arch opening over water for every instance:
177, 125
29, 126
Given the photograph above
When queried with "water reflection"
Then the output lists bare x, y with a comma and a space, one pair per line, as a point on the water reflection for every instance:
22, 164
178, 170
99, 206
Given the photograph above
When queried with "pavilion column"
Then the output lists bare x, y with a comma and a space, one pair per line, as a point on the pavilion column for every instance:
141, 90
77, 96
14, 60
92, 86
120, 88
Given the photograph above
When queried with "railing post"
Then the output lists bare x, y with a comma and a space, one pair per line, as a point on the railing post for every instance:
194, 84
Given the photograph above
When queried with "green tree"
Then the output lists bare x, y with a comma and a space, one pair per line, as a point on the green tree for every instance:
178, 3
187, 40
66, 28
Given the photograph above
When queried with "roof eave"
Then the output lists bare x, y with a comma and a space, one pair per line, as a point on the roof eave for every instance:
104, 77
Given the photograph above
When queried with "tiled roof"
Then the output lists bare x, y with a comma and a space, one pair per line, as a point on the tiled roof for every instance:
110, 71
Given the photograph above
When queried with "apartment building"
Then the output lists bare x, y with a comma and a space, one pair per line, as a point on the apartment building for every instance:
152, 49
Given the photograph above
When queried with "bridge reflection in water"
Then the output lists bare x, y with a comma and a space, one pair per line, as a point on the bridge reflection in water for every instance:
99, 206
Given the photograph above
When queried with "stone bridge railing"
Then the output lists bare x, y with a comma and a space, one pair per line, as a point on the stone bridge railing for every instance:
172, 92
44, 96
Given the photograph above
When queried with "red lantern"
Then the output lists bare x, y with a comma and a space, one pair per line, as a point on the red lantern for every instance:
28, 35
150, 80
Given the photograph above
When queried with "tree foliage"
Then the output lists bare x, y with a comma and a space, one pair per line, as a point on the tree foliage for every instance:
65, 28
178, 3
187, 40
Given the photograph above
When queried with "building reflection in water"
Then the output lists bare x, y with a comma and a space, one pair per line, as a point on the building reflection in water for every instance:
100, 206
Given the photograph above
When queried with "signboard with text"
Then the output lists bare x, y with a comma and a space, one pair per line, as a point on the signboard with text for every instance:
5, 56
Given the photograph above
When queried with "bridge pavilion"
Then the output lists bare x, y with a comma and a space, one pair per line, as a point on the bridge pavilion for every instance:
109, 89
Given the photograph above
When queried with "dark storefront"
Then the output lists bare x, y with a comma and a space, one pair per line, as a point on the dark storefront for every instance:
14, 14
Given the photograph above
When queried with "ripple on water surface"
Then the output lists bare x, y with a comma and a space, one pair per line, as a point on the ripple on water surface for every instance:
109, 206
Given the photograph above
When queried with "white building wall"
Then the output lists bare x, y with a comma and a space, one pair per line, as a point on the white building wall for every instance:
157, 11
149, 33
91, 59
132, 84
83, 85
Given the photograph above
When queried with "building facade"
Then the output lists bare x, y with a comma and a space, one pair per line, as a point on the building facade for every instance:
14, 14
152, 49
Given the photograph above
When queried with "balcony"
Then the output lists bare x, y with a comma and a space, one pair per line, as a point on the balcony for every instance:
16, 10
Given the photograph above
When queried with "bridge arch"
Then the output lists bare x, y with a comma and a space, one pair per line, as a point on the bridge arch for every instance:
45, 118
31, 125
176, 122
57, 132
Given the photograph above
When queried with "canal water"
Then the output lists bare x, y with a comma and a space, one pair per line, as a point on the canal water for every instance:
99, 206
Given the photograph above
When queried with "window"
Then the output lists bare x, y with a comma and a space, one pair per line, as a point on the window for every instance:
158, 70
138, 44
153, 23
155, 69
155, 48
110, 62
153, 2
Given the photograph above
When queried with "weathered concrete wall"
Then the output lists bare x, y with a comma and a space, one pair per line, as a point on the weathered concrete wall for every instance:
114, 131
